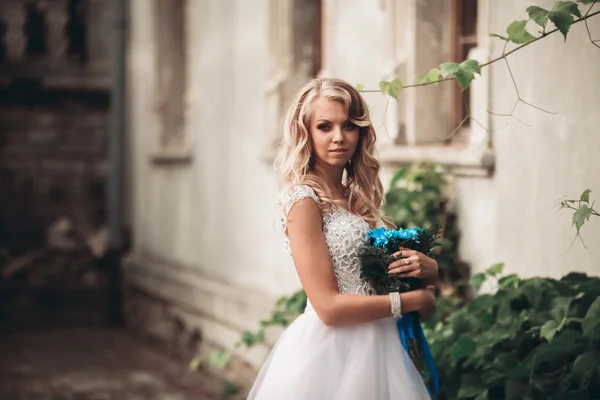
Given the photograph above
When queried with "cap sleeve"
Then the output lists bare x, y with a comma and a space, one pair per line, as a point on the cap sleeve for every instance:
296, 194
291, 197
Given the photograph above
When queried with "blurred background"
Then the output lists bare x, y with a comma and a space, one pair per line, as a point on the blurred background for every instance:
138, 217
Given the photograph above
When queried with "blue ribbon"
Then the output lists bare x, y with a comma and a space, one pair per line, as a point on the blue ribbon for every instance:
406, 331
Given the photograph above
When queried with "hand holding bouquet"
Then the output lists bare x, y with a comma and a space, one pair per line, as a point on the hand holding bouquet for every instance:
382, 251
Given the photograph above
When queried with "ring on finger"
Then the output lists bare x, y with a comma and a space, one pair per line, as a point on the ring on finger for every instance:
406, 261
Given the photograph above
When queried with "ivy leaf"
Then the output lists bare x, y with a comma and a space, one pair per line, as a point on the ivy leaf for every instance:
585, 196
477, 280
464, 72
394, 88
495, 269
518, 34
582, 214
567, 6
562, 16
383, 87
360, 87
585, 363
432, 76
448, 68
591, 321
548, 330
538, 15
511, 280
463, 347
220, 359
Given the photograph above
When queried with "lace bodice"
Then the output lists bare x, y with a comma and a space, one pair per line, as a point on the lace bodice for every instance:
345, 234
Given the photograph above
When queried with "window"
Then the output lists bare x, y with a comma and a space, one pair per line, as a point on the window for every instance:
464, 39
171, 80
420, 39
295, 56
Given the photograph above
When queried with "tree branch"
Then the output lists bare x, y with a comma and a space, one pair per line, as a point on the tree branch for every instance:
504, 55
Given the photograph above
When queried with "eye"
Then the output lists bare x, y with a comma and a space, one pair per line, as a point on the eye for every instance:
324, 127
350, 126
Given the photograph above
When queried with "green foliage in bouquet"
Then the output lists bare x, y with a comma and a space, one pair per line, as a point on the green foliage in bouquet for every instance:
536, 338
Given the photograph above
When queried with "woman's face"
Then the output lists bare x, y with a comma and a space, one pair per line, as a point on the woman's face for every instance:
334, 137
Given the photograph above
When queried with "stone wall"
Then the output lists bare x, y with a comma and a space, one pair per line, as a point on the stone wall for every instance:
53, 150
54, 100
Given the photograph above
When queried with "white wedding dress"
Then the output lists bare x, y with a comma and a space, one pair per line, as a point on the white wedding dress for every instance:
312, 361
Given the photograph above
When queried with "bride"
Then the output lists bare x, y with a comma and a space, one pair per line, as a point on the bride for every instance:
346, 344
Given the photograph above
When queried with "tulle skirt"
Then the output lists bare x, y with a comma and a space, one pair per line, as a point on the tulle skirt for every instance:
312, 361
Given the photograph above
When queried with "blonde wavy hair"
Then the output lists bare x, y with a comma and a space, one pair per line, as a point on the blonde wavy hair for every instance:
361, 180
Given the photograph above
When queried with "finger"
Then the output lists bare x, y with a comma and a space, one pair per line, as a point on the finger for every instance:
405, 269
408, 260
406, 249
408, 253
411, 274
430, 287
401, 265
399, 270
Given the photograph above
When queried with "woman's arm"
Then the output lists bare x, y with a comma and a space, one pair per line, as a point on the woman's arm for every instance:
315, 269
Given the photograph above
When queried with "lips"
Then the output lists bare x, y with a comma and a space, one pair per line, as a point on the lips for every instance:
339, 151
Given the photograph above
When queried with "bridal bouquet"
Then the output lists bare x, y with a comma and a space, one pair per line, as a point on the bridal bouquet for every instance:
375, 258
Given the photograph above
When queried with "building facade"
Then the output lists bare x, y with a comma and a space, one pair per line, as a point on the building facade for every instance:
209, 82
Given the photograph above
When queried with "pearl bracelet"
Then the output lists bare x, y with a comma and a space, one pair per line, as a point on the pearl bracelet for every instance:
396, 305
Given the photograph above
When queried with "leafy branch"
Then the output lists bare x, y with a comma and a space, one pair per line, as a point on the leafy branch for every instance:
561, 16
584, 210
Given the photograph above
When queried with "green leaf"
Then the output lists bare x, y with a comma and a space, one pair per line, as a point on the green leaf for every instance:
448, 68
585, 196
562, 15
248, 338
383, 87
464, 72
482, 396
582, 214
432, 76
587, 1
394, 88
477, 280
463, 347
220, 359
567, 6
495, 269
560, 308
562, 21
538, 15
591, 323
518, 34
548, 330
511, 280
360, 87
585, 363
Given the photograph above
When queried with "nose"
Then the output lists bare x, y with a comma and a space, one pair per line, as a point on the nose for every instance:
338, 137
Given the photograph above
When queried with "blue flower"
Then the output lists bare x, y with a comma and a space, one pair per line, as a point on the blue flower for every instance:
381, 237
